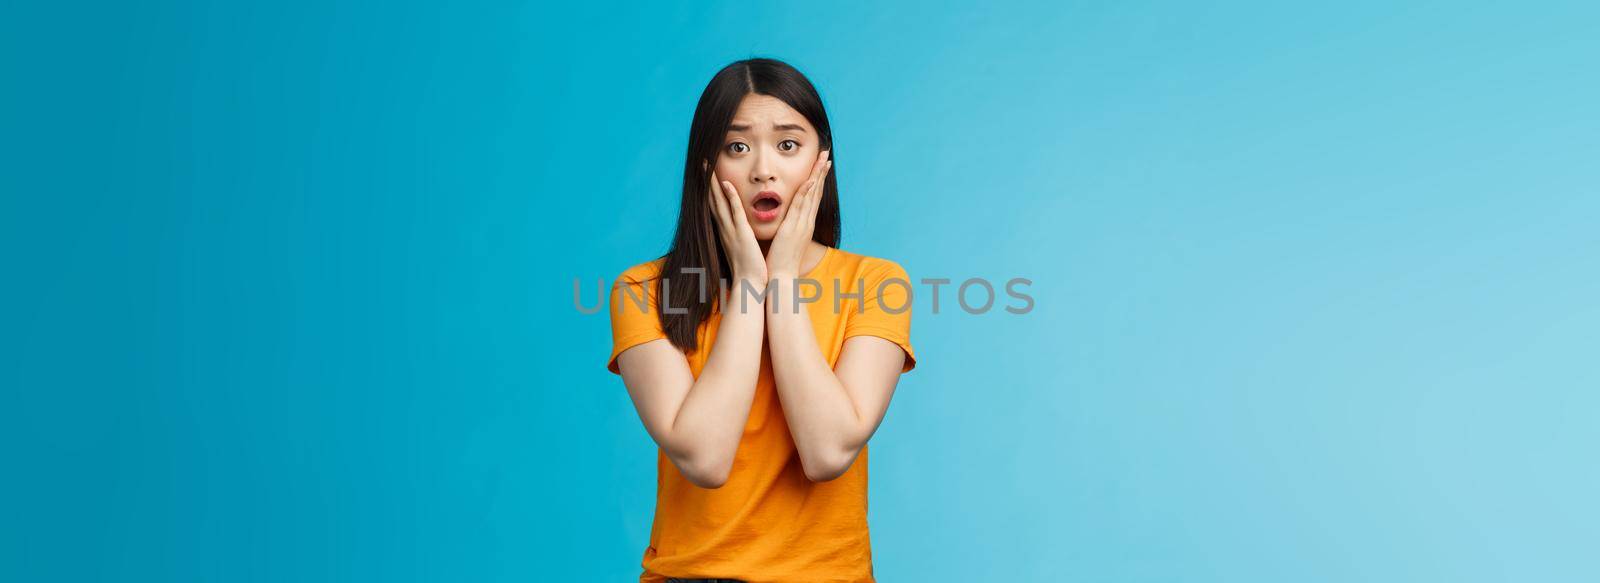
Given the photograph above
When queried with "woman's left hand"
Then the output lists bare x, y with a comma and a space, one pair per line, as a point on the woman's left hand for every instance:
788, 247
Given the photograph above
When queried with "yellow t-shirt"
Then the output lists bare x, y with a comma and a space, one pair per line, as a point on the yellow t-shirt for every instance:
769, 522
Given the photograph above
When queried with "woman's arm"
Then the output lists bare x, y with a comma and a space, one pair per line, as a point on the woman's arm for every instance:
830, 415
831, 412
698, 422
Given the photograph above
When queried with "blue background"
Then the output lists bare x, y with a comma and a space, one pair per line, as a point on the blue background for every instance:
288, 288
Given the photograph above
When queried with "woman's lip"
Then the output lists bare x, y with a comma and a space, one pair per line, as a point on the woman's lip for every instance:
769, 215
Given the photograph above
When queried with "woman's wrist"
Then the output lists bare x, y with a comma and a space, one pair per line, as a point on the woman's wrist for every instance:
788, 293
786, 266
747, 294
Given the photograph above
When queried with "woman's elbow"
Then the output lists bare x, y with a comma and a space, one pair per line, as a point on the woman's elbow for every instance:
703, 473
829, 469
825, 475
709, 480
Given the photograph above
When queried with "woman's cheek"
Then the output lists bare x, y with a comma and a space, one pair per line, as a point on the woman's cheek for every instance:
729, 173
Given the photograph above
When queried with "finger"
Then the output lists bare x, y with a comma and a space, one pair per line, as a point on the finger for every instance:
818, 169
814, 186
817, 185
736, 205
739, 232
815, 202
807, 191
803, 211
798, 213
822, 191
730, 197
719, 206
714, 198
819, 191
796, 206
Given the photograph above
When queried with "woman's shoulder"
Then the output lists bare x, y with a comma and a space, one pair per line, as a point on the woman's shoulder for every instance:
863, 264
642, 272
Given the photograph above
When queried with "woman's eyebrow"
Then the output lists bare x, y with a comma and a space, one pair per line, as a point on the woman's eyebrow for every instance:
775, 127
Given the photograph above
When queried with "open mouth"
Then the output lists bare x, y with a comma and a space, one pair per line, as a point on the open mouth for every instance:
766, 205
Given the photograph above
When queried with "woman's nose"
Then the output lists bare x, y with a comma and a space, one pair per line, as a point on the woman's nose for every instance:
762, 171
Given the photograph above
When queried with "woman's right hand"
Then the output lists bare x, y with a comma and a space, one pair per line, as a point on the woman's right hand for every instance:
738, 239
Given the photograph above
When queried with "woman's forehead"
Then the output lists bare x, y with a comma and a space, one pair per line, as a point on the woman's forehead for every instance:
766, 113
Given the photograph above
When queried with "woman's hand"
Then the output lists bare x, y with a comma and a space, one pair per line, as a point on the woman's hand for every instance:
788, 247
738, 240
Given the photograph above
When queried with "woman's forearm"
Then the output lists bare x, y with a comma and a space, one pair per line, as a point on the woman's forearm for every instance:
711, 420
821, 416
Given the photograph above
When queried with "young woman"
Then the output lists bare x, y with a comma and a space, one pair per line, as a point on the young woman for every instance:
759, 355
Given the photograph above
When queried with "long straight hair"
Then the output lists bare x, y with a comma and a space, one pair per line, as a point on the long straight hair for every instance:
695, 245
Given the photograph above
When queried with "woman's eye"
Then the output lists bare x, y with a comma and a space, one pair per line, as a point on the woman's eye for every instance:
793, 145
735, 147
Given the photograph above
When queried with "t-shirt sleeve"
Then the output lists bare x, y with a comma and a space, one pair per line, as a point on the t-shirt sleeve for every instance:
634, 320
885, 309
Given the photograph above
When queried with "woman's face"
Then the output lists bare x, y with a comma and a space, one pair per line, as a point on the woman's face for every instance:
769, 147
